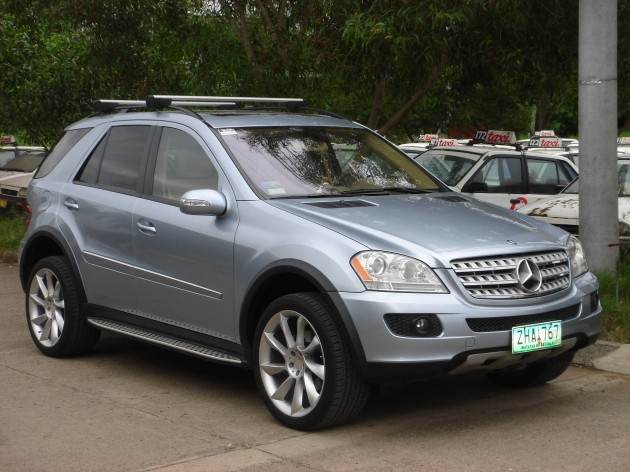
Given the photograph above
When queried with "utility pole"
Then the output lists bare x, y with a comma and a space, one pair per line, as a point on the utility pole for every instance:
599, 219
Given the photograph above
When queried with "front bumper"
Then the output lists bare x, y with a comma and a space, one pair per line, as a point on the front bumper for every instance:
458, 347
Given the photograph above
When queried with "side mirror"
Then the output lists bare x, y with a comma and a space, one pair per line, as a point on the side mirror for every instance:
476, 187
203, 202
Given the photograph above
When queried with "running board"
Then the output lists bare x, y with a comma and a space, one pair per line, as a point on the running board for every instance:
164, 341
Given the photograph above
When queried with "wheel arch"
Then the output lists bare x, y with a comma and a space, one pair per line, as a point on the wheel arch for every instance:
43, 244
283, 278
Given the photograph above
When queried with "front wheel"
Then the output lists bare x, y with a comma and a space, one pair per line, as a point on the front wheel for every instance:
303, 367
533, 375
53, 310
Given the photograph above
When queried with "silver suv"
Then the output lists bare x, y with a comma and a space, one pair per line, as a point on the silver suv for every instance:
263, 234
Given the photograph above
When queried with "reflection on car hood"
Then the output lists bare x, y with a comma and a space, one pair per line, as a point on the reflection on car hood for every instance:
445, 225
7, 174
20, 180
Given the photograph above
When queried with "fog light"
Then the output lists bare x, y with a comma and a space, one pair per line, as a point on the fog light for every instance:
422, 325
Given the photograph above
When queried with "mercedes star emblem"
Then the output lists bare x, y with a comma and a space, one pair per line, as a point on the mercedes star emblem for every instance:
528, 275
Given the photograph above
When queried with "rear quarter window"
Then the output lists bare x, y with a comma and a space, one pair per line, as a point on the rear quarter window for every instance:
57, 153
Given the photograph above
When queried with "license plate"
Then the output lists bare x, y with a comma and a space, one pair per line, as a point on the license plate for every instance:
3, 203
536, 337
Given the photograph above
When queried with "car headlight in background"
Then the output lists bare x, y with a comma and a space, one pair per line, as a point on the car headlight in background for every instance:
22, 192
392, 272
576, 255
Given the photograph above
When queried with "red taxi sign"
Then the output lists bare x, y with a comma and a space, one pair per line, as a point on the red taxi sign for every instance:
426, 138
545, 133
443, 142
494, 136
541, 142
623, 141
7, 140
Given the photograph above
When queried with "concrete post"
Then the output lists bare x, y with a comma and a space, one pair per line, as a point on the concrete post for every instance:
599, 221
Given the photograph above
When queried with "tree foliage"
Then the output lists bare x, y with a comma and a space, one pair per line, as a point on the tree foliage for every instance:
399, 66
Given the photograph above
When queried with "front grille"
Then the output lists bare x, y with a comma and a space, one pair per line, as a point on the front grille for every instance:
497, 277
506, 323
6, 191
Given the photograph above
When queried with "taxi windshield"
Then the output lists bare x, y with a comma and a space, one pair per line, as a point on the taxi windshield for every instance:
25, 162
449, 168
286, 162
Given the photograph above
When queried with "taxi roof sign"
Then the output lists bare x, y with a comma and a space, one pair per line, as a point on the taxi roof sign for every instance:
545, 133
545, 142
494, 136
444, 142
8, 139
623, 141
426, 138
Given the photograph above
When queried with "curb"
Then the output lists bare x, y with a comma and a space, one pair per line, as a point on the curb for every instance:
605, 355
9, 257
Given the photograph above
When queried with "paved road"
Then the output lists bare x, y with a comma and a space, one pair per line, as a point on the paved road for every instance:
132, 407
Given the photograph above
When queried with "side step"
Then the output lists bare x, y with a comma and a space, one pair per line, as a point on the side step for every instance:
164, 341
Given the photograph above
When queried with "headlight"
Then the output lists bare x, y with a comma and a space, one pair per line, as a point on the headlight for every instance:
576, 254
22, 192
393, 272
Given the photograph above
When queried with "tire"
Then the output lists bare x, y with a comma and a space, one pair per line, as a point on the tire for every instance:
53, 312
533, 375
303, 366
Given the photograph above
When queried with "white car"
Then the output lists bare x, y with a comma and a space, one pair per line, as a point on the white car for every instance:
496, 171
15, 177
563, 210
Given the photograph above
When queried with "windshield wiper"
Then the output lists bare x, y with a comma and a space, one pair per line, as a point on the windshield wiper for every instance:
385, 191
407, 190
366, 191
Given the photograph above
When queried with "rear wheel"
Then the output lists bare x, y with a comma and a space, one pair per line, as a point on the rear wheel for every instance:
532, 375
53, 310
303, 367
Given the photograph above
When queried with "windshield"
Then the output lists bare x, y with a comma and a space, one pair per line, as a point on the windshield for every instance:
311, 162
25, 162
449, 168
623, 181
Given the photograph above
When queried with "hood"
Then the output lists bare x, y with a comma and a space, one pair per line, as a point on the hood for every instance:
17, 181
564, 206
444, 226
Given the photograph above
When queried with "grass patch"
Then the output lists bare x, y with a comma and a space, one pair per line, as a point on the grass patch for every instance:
11, 232
614, 290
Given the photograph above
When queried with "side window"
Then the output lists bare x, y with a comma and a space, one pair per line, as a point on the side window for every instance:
181, 165
500, 175
117, 159
546, 176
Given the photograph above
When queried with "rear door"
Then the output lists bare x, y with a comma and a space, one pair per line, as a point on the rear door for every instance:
97, 209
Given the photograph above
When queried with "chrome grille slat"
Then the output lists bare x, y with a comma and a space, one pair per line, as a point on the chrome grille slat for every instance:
497, 278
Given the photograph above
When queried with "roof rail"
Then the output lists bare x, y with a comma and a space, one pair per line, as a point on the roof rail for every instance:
183, 101
104, 106
288, 102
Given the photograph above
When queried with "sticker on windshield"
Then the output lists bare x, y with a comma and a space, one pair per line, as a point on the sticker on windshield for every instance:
227, 131
273, 188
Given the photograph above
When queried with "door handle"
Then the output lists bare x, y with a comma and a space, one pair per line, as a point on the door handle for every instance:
71, 204
146, 226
